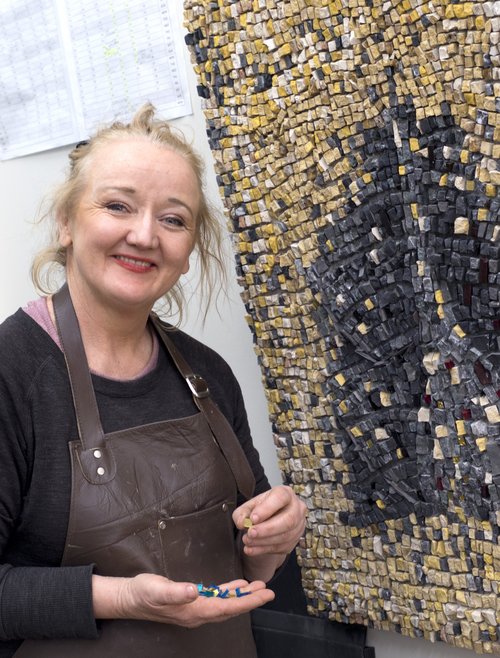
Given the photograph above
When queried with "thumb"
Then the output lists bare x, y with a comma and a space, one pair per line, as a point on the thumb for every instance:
169, 592
242, 515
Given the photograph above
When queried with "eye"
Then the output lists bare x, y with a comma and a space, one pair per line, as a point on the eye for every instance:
116, 206
173, 221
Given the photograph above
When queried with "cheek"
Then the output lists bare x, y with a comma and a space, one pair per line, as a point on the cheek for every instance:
178, 249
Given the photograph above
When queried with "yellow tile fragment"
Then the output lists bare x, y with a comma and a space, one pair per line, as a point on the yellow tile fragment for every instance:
455, 376
414, 145
438, 295
459, 331
385, 398
481, 443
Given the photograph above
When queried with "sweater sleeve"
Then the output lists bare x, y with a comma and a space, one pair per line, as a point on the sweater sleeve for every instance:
35, 600
242, 431
44, 602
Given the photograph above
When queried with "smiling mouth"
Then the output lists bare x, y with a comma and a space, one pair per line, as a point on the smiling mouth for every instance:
135, 264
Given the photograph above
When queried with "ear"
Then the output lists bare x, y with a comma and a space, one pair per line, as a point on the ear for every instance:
65, 238
187, 264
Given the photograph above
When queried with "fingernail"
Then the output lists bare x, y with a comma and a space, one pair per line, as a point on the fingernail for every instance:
191, 591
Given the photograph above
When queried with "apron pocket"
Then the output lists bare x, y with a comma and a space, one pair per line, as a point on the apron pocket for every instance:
200, 547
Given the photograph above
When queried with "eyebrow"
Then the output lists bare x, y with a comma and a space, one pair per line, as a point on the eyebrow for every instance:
132, 190
118, 188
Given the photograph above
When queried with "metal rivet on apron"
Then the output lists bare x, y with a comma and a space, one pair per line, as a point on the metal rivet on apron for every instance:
97, 454
224, 507
162, 525
100, 471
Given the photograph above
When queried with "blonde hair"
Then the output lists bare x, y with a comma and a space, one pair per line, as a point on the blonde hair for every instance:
208, 232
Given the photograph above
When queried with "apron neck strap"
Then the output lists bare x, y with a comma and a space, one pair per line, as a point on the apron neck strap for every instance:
221, 429
87, 414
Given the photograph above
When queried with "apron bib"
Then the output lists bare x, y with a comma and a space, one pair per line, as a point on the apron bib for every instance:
158, 499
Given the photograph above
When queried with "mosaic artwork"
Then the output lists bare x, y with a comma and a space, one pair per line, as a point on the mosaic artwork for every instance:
357, 149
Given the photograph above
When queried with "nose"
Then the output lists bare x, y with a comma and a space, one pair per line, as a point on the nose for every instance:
143, 232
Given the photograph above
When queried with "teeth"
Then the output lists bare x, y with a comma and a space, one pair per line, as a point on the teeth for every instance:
134, 261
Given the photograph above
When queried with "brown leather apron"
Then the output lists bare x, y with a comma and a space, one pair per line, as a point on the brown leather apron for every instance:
157, 499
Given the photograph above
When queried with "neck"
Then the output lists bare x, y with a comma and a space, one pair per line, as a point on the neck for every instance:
117, 344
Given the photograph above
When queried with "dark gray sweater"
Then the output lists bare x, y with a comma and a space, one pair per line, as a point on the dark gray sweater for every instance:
38, 598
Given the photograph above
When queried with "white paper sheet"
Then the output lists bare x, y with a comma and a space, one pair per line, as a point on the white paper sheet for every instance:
68, 65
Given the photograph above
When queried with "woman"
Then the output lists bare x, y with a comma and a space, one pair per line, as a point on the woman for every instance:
123, 489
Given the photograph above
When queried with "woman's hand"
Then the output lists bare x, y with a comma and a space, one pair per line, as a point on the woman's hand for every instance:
278, 518
155, 598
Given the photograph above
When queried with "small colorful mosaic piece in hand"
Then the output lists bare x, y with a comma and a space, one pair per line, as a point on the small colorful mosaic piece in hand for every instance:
215, 591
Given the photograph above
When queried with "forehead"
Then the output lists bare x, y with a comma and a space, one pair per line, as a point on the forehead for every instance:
130, 157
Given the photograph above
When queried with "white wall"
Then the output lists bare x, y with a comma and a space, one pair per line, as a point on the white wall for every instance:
23, 183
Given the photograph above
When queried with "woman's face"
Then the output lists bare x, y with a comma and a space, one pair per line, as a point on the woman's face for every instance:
133, 228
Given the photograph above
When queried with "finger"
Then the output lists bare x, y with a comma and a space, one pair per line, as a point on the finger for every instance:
269, 549
234, 587
289, 523
270, 503
233, 584
254, 586
244, 585
282, 541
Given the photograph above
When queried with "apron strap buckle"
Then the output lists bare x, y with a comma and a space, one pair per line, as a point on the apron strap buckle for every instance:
198, 386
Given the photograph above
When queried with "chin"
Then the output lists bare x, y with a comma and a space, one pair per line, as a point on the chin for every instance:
132, 297
130, 301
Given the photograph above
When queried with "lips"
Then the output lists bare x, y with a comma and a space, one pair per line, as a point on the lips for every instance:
132, 264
